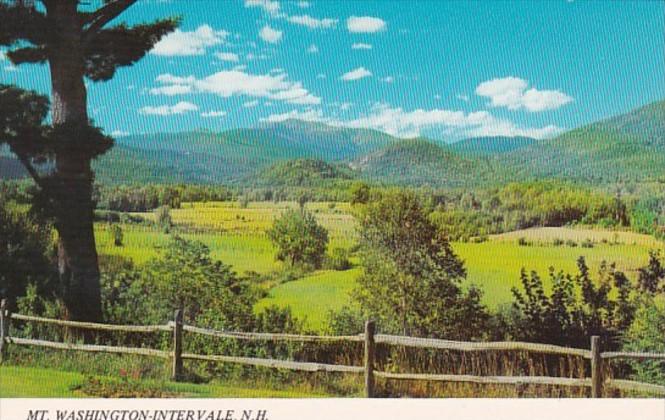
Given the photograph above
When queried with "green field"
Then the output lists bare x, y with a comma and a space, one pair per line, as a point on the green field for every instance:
21, 382
237, 237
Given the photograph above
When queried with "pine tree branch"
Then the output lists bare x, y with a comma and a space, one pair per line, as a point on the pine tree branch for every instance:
31, 169
105, 14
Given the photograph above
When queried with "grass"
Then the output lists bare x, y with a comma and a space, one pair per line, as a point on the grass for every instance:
237, 237
314, 296
21, 382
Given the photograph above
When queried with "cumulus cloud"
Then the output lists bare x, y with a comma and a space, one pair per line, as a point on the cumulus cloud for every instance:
388, 79
357, 74
361, 46
269, 6
227, 56
270, 35
311, 22
238, 83
164, 110
312, 115
408, 124
171, 90
213, 114
365, 24
313, 49
462, 97
304, 4
512, 93
181, 43
119, 133
251, 104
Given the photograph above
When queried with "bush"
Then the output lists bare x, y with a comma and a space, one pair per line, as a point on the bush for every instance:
571, 243
338, 260
558, 242
647, 334
299, 239
522, 241
116, 234
163, 218
587, 243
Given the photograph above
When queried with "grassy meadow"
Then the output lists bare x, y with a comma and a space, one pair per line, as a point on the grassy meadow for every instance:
236, 236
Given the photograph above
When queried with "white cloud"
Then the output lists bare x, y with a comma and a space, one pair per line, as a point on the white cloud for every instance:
388, 79
227, 56
365, 24
171, 90
181, 43
512, 93
251, 104
311, 22
463, 97
306, 115
163, 110
269, 6
270, 35
238, 83
408, 124
119, 133
313, 49
3, 55
357, 74
213, 114
398, 122
321, 76
361, 46
304, 4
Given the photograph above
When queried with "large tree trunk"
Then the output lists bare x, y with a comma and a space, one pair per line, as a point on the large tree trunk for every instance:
72, 193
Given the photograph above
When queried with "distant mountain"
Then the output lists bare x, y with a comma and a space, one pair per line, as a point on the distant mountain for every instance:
231, 156
489, 146
623, 148
422, 162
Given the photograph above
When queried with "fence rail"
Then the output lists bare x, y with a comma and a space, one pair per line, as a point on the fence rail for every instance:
370, 339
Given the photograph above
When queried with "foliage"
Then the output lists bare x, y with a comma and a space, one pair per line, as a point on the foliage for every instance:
647, 334
163, 218
411, 280
183, 276
299, 238
338, 259
26, 253
652, 275
577, 307
116, 233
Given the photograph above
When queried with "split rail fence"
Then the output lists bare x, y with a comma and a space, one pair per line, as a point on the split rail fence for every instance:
370, 339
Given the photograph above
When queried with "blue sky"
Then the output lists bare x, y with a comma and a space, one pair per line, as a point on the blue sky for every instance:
447, 70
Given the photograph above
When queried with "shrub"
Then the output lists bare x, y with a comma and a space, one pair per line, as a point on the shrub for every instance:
299, 239
338, 260
571, 243
587, 243
116, 234
163, 218
522, 241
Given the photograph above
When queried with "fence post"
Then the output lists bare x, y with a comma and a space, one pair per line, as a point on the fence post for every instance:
596, 368
177, 346
4, 327
370, 328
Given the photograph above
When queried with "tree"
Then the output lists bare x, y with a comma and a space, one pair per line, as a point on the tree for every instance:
77, 43
116, 234
411, 280
299, 238
25, 253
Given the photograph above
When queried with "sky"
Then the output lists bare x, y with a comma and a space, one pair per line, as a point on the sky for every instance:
445, 70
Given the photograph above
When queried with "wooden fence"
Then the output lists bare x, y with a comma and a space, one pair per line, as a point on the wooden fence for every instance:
370, 339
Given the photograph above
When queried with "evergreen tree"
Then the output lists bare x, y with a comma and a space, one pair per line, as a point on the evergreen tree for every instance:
76, 41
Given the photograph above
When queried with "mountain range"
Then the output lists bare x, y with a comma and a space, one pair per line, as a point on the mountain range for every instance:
630, 146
